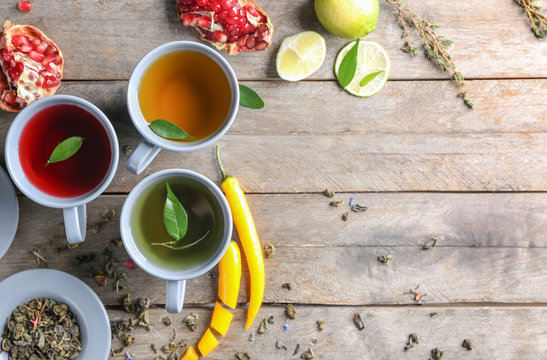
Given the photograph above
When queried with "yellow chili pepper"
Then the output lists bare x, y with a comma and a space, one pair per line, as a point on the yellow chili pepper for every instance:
229, 275
248, 236
207, 343
221, 319
190, 354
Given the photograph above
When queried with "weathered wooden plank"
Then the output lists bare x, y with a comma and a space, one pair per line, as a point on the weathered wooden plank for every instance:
105, 39
384, 337
320, 274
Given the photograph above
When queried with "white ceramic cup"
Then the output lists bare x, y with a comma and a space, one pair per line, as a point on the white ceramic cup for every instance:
176, 278
74, 209
147, 150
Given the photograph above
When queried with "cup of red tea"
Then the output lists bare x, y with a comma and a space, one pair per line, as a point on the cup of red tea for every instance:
45, 127
186, 84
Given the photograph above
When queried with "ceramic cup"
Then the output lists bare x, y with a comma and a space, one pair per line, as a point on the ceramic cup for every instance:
176, 278
74, 208
147, 150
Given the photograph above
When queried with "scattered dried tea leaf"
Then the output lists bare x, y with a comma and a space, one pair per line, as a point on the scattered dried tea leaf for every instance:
287, 286
280, 347
290, 311
337, 203
307, 355
271, 319
66, 247
127, 150
437, 354
417, 296
242, 356
430, 244
358, 208
83, 259
385, 258
126, 339
357, 321
252, 337
320, 325
296, 349
154, 349
166, 320
262, 327
192, 321
159, 357
116, 242
328, 193
269, 250
101, 279
42, 263
169, 347
433, 314
467, 344
412, 340
345, 216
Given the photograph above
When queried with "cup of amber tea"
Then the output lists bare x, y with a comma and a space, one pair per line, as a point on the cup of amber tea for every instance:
180, 83
151, 219
50, 169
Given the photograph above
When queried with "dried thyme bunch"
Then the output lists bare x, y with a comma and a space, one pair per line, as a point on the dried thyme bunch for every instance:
537, 19
435, 46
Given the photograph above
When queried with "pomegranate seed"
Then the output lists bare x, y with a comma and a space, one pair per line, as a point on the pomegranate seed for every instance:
220, 36
49, 58
234, 38
20, 100
24, 6
58, 60
9, 98
262, 28
216, 7
50, 50
204, 22
250, 42
25, 48
41, 47
226, 5
52, 68
261, 46
241, 41
19, 40
36, 56
36, 42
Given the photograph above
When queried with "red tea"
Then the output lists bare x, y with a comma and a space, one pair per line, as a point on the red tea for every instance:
76, 175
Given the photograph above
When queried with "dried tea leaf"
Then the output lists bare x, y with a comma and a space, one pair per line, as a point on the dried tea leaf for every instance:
433, 314
116, 242
358, 322
328, 193
262, 327
269, 250
337, 203
280, 347
358, 208
345, 216
437, 354
127, 150
154, 349
252, 337
412, 340
166, 320
307, 355
159, 357
430, 244
287, 286
385, 258
320, 325
296, 349
467, 344
192, 321
290, 311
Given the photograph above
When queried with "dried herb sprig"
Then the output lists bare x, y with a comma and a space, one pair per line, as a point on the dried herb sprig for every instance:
435, 46
537, 19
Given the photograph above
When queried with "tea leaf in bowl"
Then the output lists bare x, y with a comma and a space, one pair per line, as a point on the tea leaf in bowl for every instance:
174, 216
66, 149
168, 130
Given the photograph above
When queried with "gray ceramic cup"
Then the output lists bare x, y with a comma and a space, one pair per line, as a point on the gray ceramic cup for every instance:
152, 143
176, 278
74, 208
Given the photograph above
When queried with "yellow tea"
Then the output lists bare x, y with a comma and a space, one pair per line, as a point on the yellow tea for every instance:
188, 89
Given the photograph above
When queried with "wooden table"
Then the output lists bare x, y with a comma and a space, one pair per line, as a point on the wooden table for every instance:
423, 164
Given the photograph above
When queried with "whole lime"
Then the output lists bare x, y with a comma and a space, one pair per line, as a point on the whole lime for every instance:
348, 19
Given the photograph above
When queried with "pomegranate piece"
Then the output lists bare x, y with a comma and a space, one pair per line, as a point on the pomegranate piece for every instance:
24, 6
31, 66
232, 25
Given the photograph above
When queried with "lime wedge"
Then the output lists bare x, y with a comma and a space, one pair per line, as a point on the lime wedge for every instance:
300, 55
371, 58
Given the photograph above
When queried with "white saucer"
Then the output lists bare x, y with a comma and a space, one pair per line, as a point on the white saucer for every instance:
9, 212
24, 286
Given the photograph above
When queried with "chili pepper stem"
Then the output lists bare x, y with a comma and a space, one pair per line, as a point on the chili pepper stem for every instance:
219, 162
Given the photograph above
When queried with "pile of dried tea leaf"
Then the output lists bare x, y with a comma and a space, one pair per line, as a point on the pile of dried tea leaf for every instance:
35, 328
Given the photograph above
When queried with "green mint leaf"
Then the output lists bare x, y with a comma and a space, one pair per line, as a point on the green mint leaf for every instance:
347, 68
174, 216
66, 149
369, 78
250, 98
171, 244
168, 130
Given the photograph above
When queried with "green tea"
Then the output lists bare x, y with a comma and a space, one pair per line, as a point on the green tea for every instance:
204, 214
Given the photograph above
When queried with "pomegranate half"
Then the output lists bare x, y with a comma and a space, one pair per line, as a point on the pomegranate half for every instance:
232, 25
31, 64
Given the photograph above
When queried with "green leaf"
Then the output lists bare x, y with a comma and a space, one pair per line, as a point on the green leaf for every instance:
250, 98
369, 78
66, 149
171, 244
168, 130
174, 216
347, 68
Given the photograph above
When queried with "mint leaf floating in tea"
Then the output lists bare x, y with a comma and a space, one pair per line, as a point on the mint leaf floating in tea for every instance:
347, 69
250, 98
65, 149
175, 219
367, 79
168, 130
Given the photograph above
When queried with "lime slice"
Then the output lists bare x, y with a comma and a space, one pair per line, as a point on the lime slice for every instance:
300, 55
371, 58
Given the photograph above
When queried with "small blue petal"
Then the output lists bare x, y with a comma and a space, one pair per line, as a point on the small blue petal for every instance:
286, 326
128, 356
351, 199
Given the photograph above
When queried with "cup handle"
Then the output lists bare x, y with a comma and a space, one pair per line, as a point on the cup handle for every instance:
75, 224
175, 295
141, 157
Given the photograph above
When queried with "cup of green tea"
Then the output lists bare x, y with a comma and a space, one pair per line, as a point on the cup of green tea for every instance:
182, 96
176, 225
62, 152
